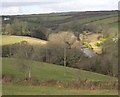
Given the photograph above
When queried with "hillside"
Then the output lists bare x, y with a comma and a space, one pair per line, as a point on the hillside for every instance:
68, 16
11, 39
45, 71
70, 53
54, 20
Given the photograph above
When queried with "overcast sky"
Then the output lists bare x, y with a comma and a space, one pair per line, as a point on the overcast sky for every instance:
16, 7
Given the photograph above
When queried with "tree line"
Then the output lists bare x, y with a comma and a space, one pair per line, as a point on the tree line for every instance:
42, 31
63, 49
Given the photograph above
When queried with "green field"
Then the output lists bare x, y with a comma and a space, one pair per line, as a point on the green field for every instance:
11, 39
45, 71
11, 89
105, 19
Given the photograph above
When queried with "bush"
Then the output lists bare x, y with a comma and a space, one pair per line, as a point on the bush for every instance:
5, 51
87, 45
102, 39
98, 44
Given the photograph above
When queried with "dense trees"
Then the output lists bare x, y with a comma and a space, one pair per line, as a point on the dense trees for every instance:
16, 28
23, 28
105, 63
63, 48
65, 42
41, 30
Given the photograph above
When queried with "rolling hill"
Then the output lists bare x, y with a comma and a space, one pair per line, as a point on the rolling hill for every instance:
45, 71
54, 20
11, 39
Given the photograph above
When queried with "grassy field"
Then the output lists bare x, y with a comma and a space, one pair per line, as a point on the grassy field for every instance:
12, 89
115, 25
93, 38
105, 19
10, 39
45, 71
54, 20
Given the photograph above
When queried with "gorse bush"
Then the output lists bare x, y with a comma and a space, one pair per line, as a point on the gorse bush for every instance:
98, 44
87, 45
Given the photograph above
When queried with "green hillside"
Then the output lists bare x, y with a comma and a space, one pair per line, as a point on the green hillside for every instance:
54, 20
45, 71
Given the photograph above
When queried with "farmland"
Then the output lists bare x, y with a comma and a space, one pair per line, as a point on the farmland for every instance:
45, 71
6, 40
42, 54
12, 89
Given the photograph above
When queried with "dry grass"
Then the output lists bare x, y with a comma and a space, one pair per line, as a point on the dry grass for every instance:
11, 39
93, 38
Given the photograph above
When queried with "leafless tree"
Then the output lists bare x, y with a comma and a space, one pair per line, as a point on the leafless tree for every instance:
24, 52
65, 40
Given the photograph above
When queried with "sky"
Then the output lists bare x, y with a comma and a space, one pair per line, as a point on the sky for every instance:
19, 7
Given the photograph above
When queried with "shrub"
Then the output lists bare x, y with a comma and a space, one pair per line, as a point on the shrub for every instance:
102, 39
87, 45
98, 43
5, 51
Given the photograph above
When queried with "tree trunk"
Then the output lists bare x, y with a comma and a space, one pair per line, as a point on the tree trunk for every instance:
29, 73
10, 52
64, 55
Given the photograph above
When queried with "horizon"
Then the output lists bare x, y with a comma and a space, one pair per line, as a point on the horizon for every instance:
61, 12
21, 7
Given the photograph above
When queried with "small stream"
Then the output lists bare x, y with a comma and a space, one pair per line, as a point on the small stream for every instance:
88, 52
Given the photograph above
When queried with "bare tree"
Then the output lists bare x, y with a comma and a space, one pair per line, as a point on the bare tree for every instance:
24, 52
65, 40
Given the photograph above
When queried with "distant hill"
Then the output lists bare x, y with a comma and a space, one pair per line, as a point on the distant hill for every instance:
54, 20
42, 25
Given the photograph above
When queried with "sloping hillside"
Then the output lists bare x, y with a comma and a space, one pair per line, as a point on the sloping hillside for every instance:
54, 20
11, 39
45, 71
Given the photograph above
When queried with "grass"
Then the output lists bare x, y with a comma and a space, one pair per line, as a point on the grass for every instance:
115, 25
44, 71
105, 19
11, 39
12, 89
54, 18
46, 17
93, 39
